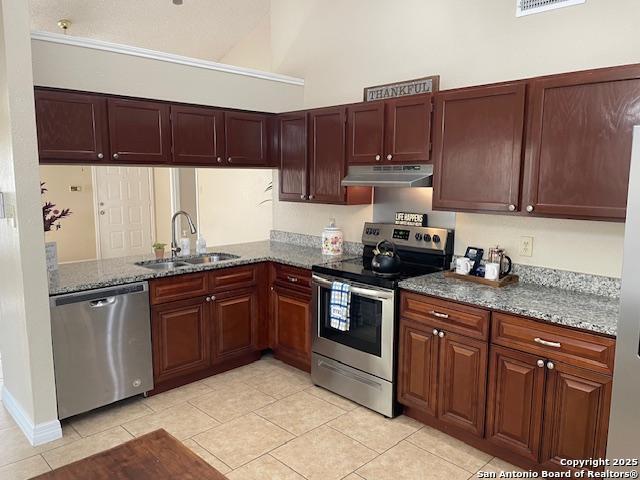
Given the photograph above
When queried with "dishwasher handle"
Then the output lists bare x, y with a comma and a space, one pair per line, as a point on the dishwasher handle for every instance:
103, 302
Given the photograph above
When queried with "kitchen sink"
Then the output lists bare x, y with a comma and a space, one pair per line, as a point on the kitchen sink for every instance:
210, 258
163, 266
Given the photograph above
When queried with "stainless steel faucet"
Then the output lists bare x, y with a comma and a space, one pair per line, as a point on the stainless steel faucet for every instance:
175, 249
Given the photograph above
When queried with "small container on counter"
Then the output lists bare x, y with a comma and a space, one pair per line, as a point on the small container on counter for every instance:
332, 239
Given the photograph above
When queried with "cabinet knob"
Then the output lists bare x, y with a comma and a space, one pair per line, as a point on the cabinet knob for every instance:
550, 365
116, 156
208, 299
303, 197
435, 332
441, 334
219, 159
311, 197
378, 158
512, 208
529, 208
230, 160
389, 157
541, 363
272, 289
100, 156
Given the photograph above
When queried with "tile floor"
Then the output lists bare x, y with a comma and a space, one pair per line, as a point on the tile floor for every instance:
264, 421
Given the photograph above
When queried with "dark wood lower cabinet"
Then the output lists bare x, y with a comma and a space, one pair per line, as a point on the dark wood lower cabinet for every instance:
291, 319
180, 336
235, 318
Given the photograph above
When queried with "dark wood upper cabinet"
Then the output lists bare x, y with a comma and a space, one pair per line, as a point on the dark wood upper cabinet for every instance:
293, 175
478, 135
408, 129
139, 131
235, 323
198, 135
72, 127
576, 415
365, 133
579, 143
246, 139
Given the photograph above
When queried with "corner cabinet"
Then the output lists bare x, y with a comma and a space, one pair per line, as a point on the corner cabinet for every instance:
478, 138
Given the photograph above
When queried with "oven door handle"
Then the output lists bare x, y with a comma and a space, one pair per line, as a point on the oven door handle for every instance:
363, 292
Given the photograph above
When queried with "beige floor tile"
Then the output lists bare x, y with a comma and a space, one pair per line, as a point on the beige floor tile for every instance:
264, 468
24, 469
182, 421
323, 454
374, 430
300, 412
232, 401
281, 384
207, 456
497, 465
237, 375
6, 421
449, 448
242, 440
177, 396
110, 416
405, 461
331, 397
85, 447
14, 446
352, 476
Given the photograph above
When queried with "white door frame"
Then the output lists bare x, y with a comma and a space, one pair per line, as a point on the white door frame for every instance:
96, 208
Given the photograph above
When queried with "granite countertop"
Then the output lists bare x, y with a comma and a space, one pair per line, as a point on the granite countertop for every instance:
75, 277
565, 307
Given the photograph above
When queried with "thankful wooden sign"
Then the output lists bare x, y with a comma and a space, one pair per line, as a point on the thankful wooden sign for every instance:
401, 89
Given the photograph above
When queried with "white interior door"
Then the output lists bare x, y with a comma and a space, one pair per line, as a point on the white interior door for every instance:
125, 223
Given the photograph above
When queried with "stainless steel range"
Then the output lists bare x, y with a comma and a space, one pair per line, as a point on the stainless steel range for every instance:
360, 363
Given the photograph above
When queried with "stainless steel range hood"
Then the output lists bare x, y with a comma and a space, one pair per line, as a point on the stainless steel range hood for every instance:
389, 176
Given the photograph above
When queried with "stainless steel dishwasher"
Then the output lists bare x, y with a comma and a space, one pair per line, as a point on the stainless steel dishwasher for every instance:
101, 346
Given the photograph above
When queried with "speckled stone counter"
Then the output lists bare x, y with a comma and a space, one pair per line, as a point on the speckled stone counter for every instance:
565, 307
75, 277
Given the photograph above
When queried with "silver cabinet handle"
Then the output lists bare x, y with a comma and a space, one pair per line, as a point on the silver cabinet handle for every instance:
213, 298
441, 334
550, 365
389, 157
378, 157
230, 160
435, 332
208, 299
311, 197
512, 208
541, 363
100, 156
438, 314
547, 343
116, 156
292, 279
303, 197
219, 159
529, 208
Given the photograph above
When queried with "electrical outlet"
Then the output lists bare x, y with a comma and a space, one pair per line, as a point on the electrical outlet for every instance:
526, 246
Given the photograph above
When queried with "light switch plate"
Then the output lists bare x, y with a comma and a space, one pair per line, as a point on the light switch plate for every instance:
526, 246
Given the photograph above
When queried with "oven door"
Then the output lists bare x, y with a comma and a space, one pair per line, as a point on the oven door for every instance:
368, 344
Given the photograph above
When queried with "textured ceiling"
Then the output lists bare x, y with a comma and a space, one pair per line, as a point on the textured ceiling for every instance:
205, 29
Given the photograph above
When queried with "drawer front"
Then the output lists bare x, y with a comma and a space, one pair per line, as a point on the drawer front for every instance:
293, 277
231, 278
179, 287
555, 342
448, 316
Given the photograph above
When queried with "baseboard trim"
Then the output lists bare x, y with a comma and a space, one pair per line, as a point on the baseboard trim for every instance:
37, 434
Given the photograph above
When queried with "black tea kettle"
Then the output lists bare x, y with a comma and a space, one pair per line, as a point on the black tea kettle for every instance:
385, 259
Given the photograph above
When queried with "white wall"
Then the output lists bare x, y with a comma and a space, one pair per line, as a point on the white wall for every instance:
25, 331
340, 47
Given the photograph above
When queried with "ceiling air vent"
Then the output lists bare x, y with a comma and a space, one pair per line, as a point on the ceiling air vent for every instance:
529, 7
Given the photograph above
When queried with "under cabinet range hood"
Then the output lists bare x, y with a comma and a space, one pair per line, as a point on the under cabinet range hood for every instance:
389, 176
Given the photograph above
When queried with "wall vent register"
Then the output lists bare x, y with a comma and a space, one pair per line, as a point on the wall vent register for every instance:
529, 7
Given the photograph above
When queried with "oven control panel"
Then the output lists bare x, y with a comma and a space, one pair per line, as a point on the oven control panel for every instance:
408, 237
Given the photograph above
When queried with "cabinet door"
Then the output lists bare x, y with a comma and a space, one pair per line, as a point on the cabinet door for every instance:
72, 127
180, 335
408, 129
235, 322
139, 132
579, 143
515, 404
292, 326
246, 139
462, 382
418, 367
197, 134
365, 133
576, 415
327, 165
293, 173
478, 148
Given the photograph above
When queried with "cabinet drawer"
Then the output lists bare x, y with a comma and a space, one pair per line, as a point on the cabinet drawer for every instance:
179, 287
580, 349
449, 316
231, 278
293, 276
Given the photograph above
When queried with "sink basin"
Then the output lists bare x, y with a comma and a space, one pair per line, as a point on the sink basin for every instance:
163, 266
210, 258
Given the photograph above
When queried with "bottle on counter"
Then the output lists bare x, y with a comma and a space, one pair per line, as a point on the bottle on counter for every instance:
201, 245
185, 245
332, 239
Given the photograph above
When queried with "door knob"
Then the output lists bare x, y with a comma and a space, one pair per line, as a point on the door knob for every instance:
512, 208
116, 156
100, 156
529, 208
378, 158
102, 212
389, 157
541, 363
